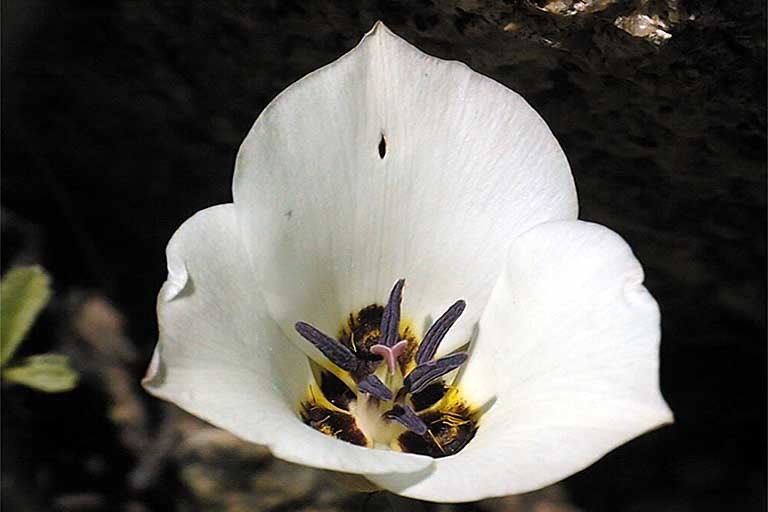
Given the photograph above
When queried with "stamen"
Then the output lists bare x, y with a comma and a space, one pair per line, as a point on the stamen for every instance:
374, 387
337, 353
437, 332
390, 319
421, 376
405, 416
390, 354
437, 443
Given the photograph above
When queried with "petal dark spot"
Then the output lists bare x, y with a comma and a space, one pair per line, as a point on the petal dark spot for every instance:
335, 390
340, 425
447, 433
429, 396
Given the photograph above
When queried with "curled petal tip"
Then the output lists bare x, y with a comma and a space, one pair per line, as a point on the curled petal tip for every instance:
175, 283
153, 369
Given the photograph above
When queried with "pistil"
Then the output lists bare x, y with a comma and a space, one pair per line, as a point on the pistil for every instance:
390, 354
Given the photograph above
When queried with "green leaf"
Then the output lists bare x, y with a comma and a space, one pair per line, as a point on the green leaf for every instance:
24, 291
45, 372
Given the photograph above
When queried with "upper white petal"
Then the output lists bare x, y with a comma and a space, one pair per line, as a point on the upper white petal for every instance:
331, 225
568, 356
221, 357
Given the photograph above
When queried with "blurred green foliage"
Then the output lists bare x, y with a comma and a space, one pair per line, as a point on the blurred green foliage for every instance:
24, 292
45, 372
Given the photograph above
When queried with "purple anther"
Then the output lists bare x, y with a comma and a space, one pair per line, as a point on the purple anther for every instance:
437, 332
405, 416
337, 353
421, 376
374, 387
390, 354
390, 318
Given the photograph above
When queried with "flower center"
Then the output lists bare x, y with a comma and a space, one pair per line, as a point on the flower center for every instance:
385, 388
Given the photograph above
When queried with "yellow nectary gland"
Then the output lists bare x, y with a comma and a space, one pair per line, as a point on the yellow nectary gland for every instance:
337, 408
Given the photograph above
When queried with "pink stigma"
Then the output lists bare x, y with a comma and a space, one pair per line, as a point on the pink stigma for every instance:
390, 354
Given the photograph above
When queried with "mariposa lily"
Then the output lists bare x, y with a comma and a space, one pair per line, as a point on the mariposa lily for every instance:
401, 289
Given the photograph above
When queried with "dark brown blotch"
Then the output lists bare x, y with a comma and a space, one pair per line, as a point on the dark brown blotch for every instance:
429, 396
362, 330
340, 425
447, 433
334, 389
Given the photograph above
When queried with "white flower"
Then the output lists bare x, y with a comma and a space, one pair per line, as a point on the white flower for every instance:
390, 164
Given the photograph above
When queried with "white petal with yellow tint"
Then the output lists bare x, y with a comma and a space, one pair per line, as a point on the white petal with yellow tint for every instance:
330, 224
221, 357
567, 357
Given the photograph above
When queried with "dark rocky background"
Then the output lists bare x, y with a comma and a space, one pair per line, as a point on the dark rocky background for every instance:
121, 119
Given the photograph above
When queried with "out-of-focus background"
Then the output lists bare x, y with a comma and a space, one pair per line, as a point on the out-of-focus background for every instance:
121, 119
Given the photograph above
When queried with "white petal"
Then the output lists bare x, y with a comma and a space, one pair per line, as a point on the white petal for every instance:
331, 225
221, 357
569, 349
